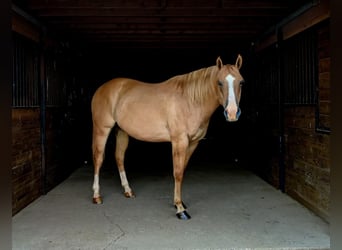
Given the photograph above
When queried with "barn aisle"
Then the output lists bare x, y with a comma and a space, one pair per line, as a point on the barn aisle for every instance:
230, 208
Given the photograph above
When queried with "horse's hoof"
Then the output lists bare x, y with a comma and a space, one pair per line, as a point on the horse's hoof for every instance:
97, 200
129, 194
183, 215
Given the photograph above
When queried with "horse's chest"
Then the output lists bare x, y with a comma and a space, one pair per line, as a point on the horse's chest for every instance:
198, 133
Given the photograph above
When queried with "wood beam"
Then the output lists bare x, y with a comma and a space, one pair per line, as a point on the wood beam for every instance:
155, 12
311, 17
21, 26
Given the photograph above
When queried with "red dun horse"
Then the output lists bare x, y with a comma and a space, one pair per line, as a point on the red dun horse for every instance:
177, 110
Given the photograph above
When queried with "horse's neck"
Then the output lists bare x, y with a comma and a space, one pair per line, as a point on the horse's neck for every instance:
209, 108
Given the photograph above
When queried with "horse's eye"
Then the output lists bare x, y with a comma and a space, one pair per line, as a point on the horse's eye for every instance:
220, 84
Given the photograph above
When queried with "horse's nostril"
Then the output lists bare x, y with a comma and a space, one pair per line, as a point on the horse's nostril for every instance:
238, 113
232, 115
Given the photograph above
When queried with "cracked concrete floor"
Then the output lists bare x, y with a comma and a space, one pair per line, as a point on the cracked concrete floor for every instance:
230, 208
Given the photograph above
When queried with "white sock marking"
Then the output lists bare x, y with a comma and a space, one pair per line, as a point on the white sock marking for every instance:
124, 181
96, 186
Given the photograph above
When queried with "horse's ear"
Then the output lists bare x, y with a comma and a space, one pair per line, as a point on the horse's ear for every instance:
238, 62
219, 62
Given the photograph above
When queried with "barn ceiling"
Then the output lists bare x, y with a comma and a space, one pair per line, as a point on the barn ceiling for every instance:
160, 23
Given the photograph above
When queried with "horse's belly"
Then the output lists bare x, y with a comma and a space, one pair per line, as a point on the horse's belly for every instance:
142, 117
146, 131
148, 135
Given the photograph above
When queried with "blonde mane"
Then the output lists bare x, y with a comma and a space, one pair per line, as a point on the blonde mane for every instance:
198, 85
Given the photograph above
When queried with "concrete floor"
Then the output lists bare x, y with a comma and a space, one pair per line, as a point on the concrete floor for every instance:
230, 208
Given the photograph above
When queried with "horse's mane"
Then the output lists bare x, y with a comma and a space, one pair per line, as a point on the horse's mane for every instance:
198, 85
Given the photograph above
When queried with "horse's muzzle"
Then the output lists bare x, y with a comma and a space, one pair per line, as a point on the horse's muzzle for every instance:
238, 113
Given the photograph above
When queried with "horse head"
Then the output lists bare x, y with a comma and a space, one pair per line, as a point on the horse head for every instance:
230, 82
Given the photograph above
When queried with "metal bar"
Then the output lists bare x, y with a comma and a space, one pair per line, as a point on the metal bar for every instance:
22, 73
282, 174
306, 62
25, 64
302, 78
42, 88
15, 73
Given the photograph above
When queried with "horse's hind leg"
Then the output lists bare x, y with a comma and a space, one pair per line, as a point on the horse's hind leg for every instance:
100, 136
122, 140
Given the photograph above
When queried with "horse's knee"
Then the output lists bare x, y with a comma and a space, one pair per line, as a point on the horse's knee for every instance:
178, 174
98, 151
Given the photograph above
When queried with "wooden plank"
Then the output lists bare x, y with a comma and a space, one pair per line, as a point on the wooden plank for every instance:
311, 17
324, 121
202, 26
104, 11
21, 26
324, 94
266, 42
156, 20
324, 65
324, 107
307, 160
323, 213
324, 78
260, 4
26, 157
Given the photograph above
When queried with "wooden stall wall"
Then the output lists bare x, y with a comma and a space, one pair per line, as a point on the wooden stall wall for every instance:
301, 88
26, 157
46, 94
308, 142
26, 143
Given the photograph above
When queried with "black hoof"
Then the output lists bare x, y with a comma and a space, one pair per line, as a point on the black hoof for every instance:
185, 207
183, 215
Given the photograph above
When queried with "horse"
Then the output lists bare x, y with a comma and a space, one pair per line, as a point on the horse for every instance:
177, 110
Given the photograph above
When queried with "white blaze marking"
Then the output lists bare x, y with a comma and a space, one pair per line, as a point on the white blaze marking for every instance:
230, 79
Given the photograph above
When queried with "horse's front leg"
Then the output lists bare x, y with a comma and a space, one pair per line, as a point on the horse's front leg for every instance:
179, 155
